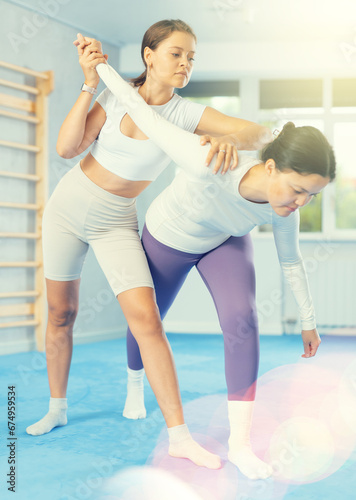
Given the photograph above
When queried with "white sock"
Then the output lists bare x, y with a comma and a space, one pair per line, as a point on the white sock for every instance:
182, 445
135, 405
56, 417
240, 452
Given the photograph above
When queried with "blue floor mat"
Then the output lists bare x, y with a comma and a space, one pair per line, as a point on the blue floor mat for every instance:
311, 400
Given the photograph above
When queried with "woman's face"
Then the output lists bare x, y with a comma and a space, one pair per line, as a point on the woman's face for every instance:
172, 61
287, 190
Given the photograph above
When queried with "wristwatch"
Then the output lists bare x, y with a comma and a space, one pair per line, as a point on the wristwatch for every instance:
86, 88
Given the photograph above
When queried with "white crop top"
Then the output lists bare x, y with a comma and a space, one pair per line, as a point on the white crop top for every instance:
132, 159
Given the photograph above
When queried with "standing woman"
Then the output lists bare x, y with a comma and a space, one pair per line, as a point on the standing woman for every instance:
201, 220
95, 204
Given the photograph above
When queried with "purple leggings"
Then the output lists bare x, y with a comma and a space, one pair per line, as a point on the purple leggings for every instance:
228, 272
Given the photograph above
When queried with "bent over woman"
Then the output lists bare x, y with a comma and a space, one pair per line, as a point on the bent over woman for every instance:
204, 220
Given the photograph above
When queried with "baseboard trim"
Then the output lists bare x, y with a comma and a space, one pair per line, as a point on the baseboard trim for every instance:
211, 328
28, 345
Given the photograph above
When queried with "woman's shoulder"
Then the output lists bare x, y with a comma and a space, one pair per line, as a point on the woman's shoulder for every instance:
245, 163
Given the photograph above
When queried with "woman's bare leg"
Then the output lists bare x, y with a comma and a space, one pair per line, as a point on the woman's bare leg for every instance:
63, 299
143, 317
63, 302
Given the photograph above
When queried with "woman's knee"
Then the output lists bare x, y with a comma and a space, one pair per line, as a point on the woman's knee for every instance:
240, 324
146, 323
63, 302
62, 315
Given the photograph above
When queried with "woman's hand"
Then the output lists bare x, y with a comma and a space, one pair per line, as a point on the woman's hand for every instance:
90, 55
226, 150
311, 341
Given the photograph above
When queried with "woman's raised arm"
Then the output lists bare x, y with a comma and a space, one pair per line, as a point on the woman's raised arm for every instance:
81, 127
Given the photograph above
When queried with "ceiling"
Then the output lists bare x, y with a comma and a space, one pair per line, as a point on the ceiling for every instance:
122, 22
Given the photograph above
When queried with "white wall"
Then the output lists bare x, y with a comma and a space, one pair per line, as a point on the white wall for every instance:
43, 44
267, 60
44, 48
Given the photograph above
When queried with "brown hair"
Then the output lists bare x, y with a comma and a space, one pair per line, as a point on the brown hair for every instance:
302, 149
155, 35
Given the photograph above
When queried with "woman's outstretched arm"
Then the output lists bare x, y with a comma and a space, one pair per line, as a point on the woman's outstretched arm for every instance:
286, 235
183, 147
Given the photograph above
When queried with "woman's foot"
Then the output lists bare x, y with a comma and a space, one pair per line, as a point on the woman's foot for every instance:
56, 417
182, 445
240, 452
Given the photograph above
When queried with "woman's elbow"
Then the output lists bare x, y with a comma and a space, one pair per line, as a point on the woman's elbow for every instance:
64, 152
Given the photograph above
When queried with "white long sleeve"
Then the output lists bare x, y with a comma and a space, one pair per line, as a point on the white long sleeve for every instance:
296, 277
181, 146
286, 238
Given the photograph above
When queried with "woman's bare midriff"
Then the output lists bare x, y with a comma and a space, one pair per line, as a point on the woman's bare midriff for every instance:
109, 181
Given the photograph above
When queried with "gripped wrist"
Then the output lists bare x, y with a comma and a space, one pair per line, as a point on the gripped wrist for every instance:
92, 83
235, 140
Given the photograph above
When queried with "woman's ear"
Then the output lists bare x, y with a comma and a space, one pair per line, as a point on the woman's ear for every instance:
270, 166
147, 55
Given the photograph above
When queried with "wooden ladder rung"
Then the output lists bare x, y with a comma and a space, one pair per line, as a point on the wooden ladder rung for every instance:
26, 309
13, 295
18, 145
18, 116
24, 206
12, 324
20, 264
27, 236
10, 101
19, 86
26, 71
16, 175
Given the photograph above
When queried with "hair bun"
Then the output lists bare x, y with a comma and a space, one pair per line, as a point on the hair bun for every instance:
288, 127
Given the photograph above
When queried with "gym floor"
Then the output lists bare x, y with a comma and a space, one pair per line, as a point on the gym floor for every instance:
304, 425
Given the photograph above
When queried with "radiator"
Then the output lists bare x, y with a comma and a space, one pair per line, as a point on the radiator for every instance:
333, 287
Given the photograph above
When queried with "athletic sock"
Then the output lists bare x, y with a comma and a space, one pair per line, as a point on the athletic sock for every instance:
240, 452
56, 417
135, 405
182, 445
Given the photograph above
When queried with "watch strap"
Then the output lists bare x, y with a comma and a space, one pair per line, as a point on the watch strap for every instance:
86, 88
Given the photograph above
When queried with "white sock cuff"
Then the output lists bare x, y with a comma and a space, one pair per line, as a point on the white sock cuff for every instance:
178, 433
238, 408
135, 374
58, 404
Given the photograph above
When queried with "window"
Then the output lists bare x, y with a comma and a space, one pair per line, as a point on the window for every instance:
328, 105
230, 105
280, 94
344, 137
298, 101
345, 187
223, 96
